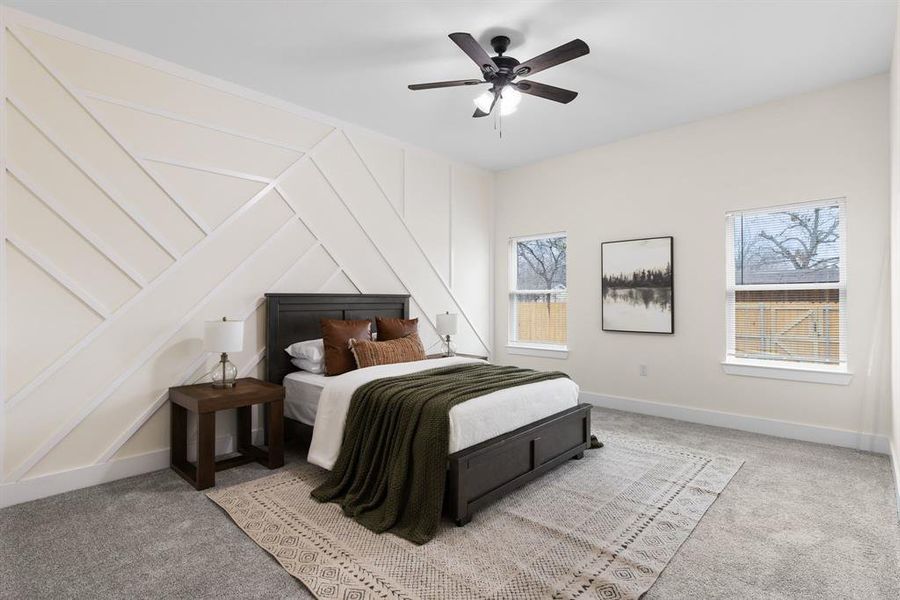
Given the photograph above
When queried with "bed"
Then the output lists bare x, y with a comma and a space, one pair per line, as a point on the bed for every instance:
489, 457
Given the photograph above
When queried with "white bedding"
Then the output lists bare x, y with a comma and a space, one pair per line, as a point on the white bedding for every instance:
471, 422
302, 391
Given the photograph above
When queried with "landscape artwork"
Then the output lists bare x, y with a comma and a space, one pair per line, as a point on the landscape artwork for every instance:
637, 293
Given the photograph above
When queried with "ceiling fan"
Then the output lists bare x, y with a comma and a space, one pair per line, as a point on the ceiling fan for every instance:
501, 71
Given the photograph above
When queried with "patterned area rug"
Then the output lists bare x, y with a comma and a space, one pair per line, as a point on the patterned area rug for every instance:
602, 527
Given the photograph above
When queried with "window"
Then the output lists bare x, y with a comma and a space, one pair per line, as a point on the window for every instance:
786, 286
538, 300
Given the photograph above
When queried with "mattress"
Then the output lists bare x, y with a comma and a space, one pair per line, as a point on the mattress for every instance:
471, 422
302, 390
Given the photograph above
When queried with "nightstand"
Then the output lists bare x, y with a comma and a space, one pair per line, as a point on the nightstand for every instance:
204, 400
458, 354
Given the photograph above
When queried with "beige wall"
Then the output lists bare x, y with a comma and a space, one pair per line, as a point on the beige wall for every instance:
680, 182
143, 199
895, 255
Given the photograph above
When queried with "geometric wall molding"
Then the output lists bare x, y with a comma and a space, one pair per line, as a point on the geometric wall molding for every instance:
71, 218
144, 198
183, 119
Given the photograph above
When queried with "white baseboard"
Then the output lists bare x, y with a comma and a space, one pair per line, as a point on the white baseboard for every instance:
51, 484
56, 483
796, 431
895, 467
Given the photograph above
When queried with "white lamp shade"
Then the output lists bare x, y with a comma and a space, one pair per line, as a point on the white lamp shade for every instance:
446, 324
224, 336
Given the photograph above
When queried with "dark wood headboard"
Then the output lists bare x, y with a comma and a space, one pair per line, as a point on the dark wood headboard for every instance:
295, 318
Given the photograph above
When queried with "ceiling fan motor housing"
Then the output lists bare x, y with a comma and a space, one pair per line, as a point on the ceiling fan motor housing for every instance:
506, 64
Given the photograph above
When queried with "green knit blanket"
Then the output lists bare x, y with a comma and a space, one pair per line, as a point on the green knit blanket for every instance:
392, 468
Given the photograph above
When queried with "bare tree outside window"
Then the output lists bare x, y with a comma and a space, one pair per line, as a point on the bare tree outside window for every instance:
540, 281
796, 246
787, 300
542, 265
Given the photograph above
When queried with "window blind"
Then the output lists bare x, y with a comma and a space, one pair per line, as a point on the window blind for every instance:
538, 297
786, 283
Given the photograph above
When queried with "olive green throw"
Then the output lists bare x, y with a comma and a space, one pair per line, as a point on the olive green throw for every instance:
392, 468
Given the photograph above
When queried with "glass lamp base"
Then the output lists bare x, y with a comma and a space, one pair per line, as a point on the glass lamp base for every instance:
224, 374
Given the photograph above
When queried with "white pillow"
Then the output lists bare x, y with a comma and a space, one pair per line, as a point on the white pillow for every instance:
305, 364
311, 350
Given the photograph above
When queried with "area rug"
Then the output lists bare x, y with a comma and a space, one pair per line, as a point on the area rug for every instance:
602, 527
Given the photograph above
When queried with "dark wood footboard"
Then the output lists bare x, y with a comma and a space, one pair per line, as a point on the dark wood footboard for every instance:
483, 473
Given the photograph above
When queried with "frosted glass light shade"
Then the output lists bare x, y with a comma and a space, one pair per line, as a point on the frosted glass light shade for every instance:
446, 324
509, 101
223, 336
483, 101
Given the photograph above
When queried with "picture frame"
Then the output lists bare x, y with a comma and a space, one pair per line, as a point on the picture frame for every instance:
637, 292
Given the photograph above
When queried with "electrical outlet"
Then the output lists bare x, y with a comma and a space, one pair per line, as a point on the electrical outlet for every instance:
642, 370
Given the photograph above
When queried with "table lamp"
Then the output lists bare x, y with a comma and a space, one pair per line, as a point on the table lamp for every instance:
224, 336
446, 326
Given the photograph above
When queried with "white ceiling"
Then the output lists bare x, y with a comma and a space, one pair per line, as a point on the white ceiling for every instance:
652, 64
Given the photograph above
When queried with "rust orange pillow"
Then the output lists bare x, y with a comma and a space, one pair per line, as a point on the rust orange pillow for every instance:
405, 349
336, 336
393, 329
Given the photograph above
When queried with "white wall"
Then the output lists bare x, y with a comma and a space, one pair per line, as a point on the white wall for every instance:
895, 256
680, 182
141, 198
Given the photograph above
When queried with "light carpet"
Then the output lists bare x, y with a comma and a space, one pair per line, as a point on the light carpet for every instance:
602, 527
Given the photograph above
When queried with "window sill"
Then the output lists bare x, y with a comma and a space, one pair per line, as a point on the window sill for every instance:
539, 350
834, 375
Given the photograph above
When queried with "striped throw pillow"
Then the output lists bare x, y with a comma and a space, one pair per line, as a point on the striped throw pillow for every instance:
370, 354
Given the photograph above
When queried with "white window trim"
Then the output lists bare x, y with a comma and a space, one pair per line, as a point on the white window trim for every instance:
838, 374
529, 348
792, 371
538, 350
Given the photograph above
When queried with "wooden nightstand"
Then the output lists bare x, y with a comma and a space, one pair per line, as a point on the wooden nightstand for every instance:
458, 354
205, 401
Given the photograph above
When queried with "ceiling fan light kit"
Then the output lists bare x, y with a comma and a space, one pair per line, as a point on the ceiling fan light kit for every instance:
509, 101
501, 72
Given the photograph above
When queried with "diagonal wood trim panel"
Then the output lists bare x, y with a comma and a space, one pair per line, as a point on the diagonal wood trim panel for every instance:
334, 219
78, 96
72, 219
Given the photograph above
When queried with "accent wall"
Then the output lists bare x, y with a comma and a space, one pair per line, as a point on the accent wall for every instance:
141, 199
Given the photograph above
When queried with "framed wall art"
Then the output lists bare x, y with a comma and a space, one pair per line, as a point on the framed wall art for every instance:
637, 285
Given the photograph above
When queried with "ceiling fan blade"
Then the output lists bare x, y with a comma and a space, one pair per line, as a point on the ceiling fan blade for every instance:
479, 113
554, 57
444, 84
470, 46
542, 90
